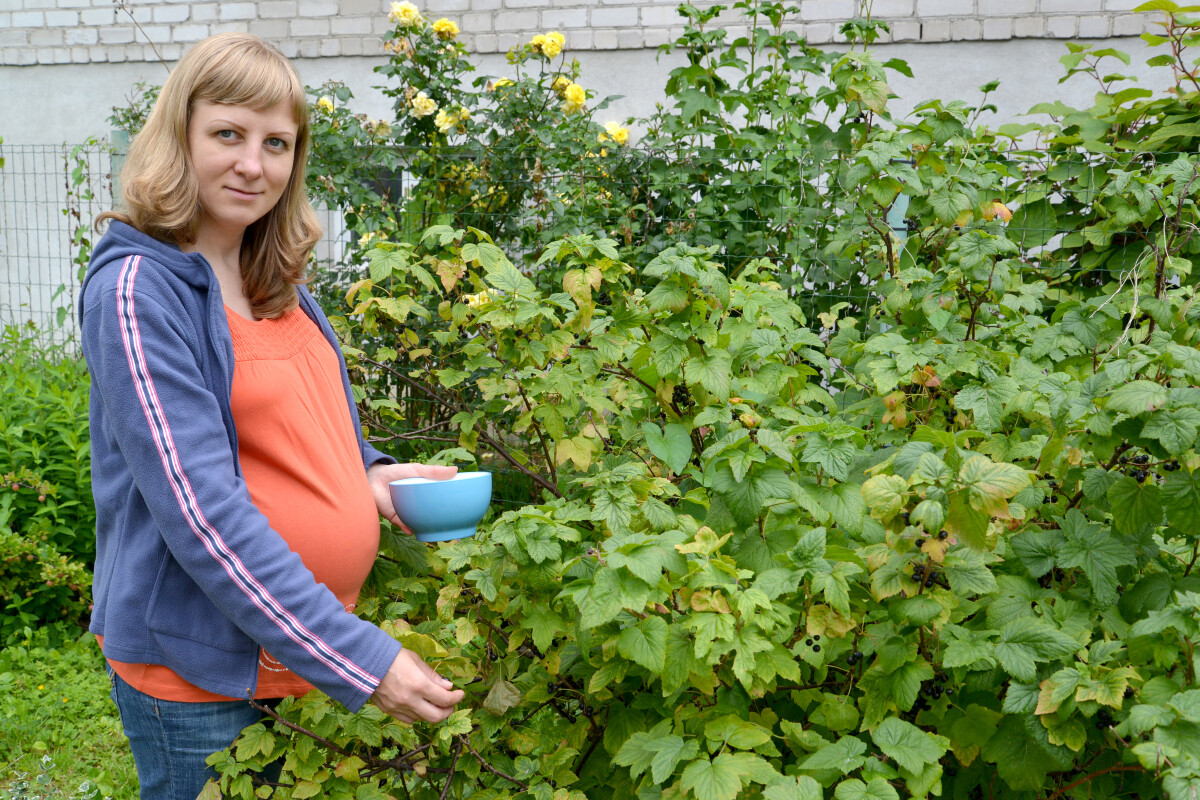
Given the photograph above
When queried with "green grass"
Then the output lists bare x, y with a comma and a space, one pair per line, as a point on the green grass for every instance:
56, 702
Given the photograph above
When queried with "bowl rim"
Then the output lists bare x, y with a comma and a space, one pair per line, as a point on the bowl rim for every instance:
419, 481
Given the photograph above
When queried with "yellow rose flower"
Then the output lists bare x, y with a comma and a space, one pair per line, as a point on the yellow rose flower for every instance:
423, 105
463, 115
575, 97
552, 44
404, 14
560, 85
444, 122
615, 133
325, 104
445, 28
500, 84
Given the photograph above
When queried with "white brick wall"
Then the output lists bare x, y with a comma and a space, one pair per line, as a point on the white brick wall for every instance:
79, 31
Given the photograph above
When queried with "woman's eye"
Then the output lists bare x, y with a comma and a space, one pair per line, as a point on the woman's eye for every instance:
277, 143
226, 135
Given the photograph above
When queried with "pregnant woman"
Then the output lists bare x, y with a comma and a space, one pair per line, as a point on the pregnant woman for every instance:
237, 503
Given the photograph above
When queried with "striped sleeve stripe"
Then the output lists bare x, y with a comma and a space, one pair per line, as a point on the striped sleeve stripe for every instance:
199, 524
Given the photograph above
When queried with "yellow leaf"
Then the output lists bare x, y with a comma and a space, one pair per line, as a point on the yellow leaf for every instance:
935, 549
824, 619
577, 450
450, 272
465, 630
705, 542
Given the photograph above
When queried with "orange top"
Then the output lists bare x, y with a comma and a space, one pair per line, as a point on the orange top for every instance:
300, 459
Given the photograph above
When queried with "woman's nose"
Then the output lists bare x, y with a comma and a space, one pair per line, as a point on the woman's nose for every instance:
249, 163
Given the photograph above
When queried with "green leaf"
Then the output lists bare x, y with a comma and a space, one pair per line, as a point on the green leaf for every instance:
843, 756
1134, 505
254, 740
834, 456
990, 485
1176, 429
638, 751
910, 746
671, 445
1097, 552
800, 787
854, 789
1137, 397
1026, 641
711, 371
501, 697
668, 752
718, 779
1086, 327
967, 524
885, 494
736, 733
1181, 496
508, 279
1022, 763
747, 497
987, 403
968, 574
645, 643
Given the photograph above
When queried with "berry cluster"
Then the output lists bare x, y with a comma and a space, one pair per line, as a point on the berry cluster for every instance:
854, 657
812, 642
1171, 466
1104, 719
928, 575
681, 397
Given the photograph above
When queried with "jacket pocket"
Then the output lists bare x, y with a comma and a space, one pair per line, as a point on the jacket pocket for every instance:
179, 609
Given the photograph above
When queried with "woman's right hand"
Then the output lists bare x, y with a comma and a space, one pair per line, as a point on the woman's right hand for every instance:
411, 690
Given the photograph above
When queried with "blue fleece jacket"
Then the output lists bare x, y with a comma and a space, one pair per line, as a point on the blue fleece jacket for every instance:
189, 573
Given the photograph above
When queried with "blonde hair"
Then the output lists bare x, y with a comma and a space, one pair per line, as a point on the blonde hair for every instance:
161, 193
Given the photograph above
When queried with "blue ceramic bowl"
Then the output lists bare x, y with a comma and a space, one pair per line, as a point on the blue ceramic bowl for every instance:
439, 510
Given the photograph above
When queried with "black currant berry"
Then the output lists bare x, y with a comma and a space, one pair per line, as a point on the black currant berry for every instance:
1142, 459
904, 517
1123, 459
808, 642
1140, 475
816, 637
816, 648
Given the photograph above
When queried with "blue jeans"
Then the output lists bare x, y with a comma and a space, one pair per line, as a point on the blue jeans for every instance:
171, 740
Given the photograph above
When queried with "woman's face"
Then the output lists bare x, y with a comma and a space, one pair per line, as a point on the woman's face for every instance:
242, 159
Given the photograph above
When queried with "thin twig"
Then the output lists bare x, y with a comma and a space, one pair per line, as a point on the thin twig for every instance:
450, 777
484, 763
124, 6
1093, 776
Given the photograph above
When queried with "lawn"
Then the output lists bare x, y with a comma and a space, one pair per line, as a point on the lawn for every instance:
55, 702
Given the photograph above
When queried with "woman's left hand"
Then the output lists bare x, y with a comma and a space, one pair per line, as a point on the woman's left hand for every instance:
380, 475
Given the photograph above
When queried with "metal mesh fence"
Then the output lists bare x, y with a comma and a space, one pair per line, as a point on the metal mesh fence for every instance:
48, 197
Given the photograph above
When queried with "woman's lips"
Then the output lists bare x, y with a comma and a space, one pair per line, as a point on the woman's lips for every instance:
243, 194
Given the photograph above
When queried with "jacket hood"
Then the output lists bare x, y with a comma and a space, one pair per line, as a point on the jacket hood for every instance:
121, 241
